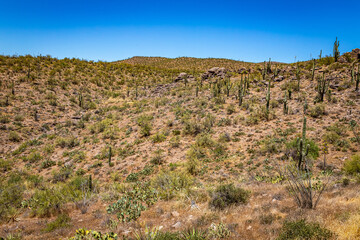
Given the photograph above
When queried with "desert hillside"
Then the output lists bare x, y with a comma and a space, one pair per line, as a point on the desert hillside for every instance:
184, 148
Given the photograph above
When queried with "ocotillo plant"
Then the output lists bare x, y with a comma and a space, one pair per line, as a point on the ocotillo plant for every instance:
313, 70
286, 107
197, 91
322, 87
336, 52
303, 151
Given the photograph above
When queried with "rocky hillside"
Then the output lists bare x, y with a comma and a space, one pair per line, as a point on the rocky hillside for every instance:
179, 148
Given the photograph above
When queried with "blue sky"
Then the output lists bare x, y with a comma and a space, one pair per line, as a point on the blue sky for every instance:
241, 30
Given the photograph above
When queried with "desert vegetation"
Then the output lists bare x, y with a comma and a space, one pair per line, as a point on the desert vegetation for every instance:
185, 148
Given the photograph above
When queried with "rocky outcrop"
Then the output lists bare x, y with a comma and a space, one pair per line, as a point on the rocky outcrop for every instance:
184, 76
214, 72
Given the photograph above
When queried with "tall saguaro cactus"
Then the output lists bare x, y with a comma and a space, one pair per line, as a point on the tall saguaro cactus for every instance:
322, 87
336, 51
303, 150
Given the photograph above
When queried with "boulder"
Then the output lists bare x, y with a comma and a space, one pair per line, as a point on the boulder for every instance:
214, 72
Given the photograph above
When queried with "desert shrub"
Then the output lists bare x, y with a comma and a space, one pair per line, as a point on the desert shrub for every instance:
292, 148
169, 183
93, 235
290, 85
175, 141
219, 231
47, 163
5, 165
192, 127
132, 203
352, 166
260, 114
132, 177
62, 221
206, 149
226, 195
69, 142
11, 195
4, 118
14, 136
62, 175
157, 159
192, 166
144, 122
230, 109
33, 157
301, 230
19, 118
158, 137
317, 110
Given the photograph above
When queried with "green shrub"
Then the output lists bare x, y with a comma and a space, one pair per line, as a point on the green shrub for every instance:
14, 136
5, 165
169, 183
90, 234
62, 221
292, 148
144, 121
68, 142
132, 203
158, 137
317, 110
226, 195
352, 166
11, 195
301, 230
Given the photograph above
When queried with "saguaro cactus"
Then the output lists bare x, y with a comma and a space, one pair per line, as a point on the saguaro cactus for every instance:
90, 183
286, 107
357, 79
313, 70
110, 155
322, 87
268, 97
336, 52
303, 151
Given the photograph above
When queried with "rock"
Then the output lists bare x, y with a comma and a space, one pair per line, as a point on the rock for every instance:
177, 225
279, 79
249, 228
214, 72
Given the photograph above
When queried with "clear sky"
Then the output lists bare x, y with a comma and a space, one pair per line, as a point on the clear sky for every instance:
242, 30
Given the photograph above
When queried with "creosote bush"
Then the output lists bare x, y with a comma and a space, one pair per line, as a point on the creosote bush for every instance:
226, 195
